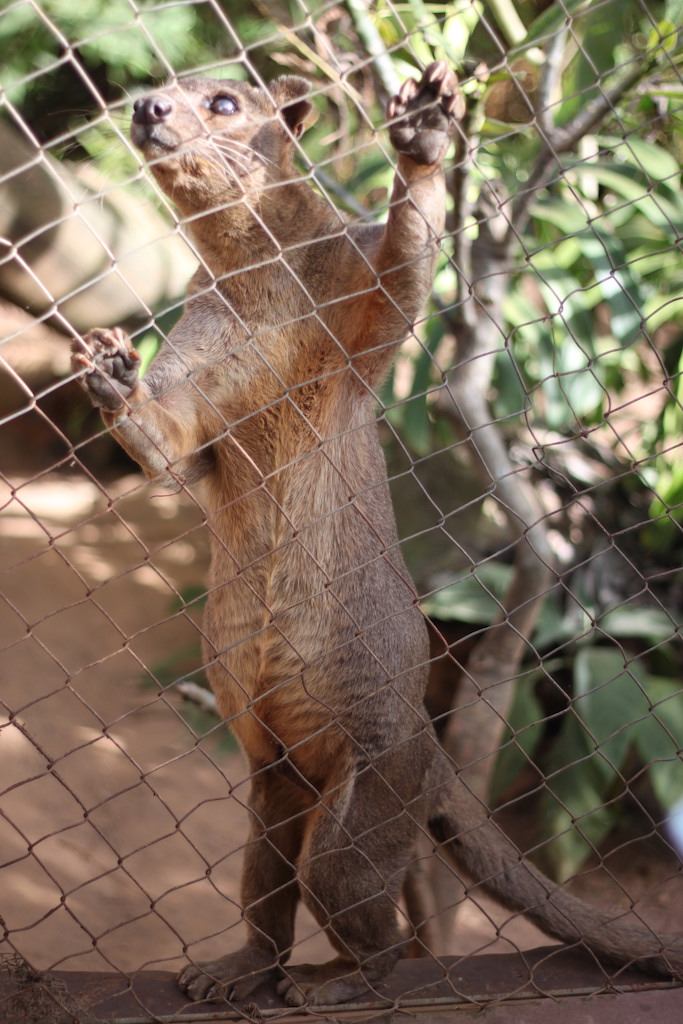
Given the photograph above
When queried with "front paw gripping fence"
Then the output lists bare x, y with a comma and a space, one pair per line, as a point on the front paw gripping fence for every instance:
530, 421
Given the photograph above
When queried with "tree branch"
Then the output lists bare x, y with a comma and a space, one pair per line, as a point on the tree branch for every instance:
374, 45
466, 142
548, 84
472, 734
473, 730
562, 140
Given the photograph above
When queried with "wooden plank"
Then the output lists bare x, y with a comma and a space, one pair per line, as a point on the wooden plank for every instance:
549, 985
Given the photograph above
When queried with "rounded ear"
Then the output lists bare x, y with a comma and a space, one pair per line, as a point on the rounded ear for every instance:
288, 93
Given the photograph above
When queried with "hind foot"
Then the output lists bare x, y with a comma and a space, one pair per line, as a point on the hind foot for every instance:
229, 978
325, 984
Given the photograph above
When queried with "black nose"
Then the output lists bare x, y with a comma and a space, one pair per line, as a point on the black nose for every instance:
152, 109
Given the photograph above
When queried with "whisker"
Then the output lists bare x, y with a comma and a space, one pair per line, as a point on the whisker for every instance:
224, 143
265, 160
229, 146
228, 157
231, 172
248, 148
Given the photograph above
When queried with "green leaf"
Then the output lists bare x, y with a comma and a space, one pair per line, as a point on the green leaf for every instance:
458, 28
660, 209
474, 598
652, 624
415, 420
666, 509
526, 723
618, 285
147, 348
551, 21
599, 33
607, 713
673, 11
572, 807
658, 163
568, 217
610, 701
569, 381
659, 740
664, 35
558, 624
511, 396
660, 310
446, 28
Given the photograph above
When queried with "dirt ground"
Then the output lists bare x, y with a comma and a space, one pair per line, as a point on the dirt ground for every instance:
121, 830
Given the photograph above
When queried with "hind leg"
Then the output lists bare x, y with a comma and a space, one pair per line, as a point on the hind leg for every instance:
269, 896
356, 850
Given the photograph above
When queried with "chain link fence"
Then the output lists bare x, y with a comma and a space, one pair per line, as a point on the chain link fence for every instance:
530, 423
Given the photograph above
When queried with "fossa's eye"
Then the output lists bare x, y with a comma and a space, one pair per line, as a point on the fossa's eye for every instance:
223, 105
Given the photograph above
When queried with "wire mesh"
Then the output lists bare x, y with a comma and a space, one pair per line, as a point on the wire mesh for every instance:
530, 422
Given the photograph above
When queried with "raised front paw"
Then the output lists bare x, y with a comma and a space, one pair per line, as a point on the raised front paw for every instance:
424, 112
110, 363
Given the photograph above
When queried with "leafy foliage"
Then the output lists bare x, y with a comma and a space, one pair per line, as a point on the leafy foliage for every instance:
619, 712
593, 313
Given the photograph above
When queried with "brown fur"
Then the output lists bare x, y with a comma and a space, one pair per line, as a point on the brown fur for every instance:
316, 648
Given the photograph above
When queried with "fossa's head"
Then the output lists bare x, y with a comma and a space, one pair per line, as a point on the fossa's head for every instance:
209, 141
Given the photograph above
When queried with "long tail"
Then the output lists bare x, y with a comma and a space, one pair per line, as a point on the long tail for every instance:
476, 844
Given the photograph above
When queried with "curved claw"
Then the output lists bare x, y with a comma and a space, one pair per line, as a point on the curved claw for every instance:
423, 113
107, 366
438, 70
408, 90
